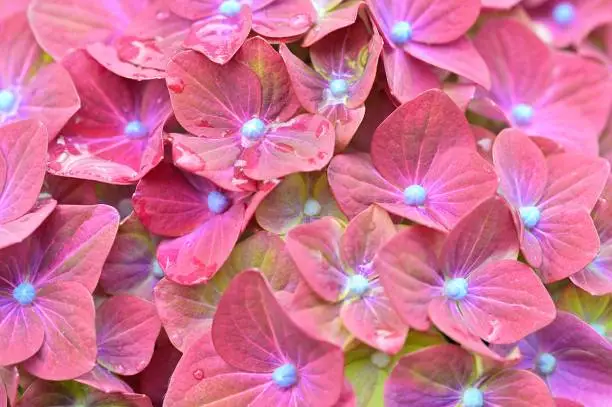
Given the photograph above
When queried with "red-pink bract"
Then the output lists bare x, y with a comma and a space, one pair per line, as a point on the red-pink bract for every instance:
331, 15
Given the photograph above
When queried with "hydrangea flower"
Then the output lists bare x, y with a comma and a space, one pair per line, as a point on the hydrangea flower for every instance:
468, 283
298, 198
23, 152
126, 330
222, 26
133, 38
46, 307
446, 375
423, 167
242, 121
9, 384
552, 198
567, 22
573, 360
344, 70
331, 15
337, 264
28, 88
187, 311
65, 394
116, 137
421, 35
132, 266
595, 311
559, 96
255, 354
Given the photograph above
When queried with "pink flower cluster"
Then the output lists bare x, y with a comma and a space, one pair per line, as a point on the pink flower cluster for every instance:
305, 203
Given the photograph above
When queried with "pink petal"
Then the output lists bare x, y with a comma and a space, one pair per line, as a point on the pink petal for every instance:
407, 77
459, 56
19, 229
66, 310
205, 94
275, 340
279, 99
219, 37
409, 272
521, 167
283, 18
101, 379
197, 256
336, 16
500, 4
316, 250
18, 47
284, 207
193, 9
305, 143
10, 379
23, 150
126, 328
21, 330
517, 388
309, 85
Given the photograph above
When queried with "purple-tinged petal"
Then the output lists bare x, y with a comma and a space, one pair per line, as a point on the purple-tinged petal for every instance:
101, 379
205, 94
21, 329
18, 230
521, 168
220, 37
331, 17
517, 388
459, 56
282, 18
66, 312
407, 76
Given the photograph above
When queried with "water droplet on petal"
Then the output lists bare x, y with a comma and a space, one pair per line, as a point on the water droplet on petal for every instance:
198, 374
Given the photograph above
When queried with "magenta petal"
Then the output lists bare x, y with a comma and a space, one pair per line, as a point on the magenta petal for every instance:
518, 387
305, 143
9, 384
407, 76
309, 85
459, 56
21, 330
433, 377
499, 4
193, 9
127, 328
196, 257
566, 242
103, 380
339, 16
219, 37
18, 230
205, 94
66, 311
283, 18
521, 167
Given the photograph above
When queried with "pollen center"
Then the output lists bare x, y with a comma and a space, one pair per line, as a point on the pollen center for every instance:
217, 202
135, 129
229, 8
401, 32
254, 129
312, 207
564, 13
456, 288
530, 216
339, 88
472, 397
546, 364
24, 293
357, 285
285, 376
522, 113
7, 101
415, 195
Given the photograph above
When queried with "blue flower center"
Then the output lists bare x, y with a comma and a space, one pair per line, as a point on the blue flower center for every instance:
339, 88
254, 129
156, 269
312, 207
285, 375
135, 129
357, 285
401, 32
564, 13
546, 364
599, 328
415, 195
229, 8
472, 397
522, 113
217, 202
530, 216
24, 293
456, 288
7, 101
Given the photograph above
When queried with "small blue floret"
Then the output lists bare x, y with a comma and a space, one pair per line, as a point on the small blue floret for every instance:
472, 397
564, 13
522, 113
135, 129
339, 88
285, 375
530, 216
253, 129
217, 202
7, 101
401, 32
546, 364
357, 285
456, 288
415, 195
229, 8
24, 293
